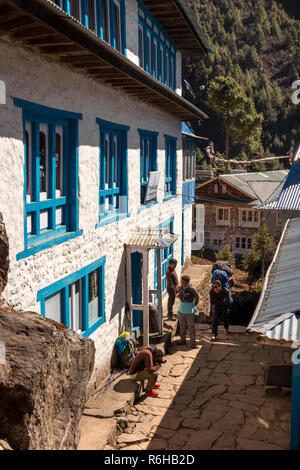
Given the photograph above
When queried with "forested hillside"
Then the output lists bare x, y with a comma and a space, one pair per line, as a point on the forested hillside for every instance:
257, 42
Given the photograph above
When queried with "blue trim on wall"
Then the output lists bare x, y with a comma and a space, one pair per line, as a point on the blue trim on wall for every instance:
50, 112
63, 284
48, 244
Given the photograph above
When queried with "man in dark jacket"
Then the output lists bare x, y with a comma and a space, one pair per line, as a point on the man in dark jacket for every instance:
147, 362
220, 302
172, 284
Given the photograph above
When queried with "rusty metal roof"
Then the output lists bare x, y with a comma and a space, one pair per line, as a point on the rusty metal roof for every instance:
151, 238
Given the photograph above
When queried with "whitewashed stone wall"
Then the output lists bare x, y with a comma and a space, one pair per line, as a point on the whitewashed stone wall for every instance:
30, 77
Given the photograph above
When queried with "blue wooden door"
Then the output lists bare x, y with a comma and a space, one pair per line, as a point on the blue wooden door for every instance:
136, 279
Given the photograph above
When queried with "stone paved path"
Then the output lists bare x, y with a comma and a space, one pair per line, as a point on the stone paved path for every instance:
212, 398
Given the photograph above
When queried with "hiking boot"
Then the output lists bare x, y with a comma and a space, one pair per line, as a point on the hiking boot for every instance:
194, 346
156, 385
227, 332
152, 393
180, 343
213, 338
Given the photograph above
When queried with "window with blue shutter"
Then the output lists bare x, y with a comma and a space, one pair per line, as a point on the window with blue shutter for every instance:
50, 176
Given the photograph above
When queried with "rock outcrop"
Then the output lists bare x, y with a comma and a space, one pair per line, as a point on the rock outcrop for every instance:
43, 382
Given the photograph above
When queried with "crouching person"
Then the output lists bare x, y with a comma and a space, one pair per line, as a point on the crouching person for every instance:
147, 362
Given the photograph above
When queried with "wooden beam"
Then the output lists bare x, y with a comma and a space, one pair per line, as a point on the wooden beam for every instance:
49, 40
63, 50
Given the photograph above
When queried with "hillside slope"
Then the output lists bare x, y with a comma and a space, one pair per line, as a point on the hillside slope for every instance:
258, 43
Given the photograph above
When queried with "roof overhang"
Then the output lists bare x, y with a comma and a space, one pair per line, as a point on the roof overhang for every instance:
178, 21
151, 239
42, 26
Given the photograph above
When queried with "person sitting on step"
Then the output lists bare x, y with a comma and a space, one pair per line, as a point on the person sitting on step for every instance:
147, 362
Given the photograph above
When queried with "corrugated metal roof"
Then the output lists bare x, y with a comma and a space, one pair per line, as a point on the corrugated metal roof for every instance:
289, 196
151, 238
260, 186
185, 130
275, 316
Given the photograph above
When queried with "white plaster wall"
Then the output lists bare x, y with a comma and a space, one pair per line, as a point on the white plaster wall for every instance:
30, 77
131, 7
179, 73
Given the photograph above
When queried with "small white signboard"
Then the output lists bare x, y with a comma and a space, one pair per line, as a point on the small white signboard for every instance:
151, 191
2, 92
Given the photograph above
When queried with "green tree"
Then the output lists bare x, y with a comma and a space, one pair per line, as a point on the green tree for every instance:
226, 255
228, 98
264, 245
251, 263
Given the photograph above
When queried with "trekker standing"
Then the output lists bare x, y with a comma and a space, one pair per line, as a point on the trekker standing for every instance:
147, 362
220, 302
221, 275
186, 312
172, 284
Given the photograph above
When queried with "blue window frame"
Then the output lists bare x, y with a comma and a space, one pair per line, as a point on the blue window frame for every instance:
189, 160
113, 188
170, 166
157, 53
105, 17
50, 176
78, 300
166, 256
148, 158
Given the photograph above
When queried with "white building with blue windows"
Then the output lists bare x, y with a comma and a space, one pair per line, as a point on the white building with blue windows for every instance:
92, 114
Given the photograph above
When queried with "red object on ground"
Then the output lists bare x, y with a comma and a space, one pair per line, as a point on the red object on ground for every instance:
152, 393
156, 385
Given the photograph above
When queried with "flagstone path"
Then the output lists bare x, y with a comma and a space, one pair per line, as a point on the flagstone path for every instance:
212, 398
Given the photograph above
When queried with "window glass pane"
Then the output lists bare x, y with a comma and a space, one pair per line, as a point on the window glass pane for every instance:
53, 307
75, 303
29, 223
244, 216
105, 30
162, 65
91, 11
93, 296
43, 160
250, 216
117, 21
59, 160
28, 158
107, 160
115, 155
44, 220
149, 69
243, 242
141, 47
155, 58
75, 9
59, 216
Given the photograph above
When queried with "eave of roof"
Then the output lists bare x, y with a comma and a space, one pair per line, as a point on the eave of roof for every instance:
41, 25
178, 21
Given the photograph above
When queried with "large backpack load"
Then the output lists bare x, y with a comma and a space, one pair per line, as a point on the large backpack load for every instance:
224, 266
126, 349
